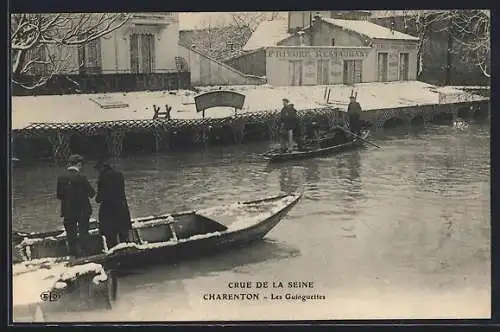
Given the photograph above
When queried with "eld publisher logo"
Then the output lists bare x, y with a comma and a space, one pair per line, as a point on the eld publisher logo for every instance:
50, 296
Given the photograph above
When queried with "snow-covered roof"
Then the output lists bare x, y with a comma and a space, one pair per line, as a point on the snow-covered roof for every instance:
369, 29
268, 33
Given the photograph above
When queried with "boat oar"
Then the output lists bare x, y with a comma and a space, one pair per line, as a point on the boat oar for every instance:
359, 137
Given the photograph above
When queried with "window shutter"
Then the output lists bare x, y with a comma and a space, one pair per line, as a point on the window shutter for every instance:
98, 55
153, 54
134, 53
357, 71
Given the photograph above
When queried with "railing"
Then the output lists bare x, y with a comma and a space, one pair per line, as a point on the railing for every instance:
125, 81
98, 71
153, 18
129, 71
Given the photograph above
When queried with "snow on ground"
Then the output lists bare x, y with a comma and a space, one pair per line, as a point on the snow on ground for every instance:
80, 108
27, 287
31, 279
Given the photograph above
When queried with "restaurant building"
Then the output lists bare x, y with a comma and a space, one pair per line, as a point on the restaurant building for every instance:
325, 50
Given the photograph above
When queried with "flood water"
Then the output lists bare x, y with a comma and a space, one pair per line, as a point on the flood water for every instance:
397, 232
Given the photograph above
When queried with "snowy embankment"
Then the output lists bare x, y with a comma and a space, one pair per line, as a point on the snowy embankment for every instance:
139, 105
33, 278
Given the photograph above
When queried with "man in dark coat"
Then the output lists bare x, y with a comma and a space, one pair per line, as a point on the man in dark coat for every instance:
354, 115
74, 191
288, 124
114, 214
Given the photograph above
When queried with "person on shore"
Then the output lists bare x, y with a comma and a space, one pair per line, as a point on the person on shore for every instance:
354, 115
288, 124
74, 192
114, 214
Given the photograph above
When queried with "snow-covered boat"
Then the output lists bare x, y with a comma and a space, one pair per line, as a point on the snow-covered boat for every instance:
172, 237
41, 287
324, 145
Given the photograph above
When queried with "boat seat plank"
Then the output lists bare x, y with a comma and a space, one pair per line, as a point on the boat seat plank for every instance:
195, 224
48, 248
154, 234
134, 236
57, 247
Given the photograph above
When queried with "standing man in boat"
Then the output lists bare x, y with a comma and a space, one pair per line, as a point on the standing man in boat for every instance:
74, 192
354, 114
288, 124
114, 214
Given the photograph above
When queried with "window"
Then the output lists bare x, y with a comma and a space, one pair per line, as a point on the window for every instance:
142, 53
181, 64
295, 72
322, 72
36, 61
352, 71
382, 67
403, 66
89, 57
333, 41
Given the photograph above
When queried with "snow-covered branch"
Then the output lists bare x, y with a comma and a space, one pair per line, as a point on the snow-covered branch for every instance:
470, 31
31, 33
224, 38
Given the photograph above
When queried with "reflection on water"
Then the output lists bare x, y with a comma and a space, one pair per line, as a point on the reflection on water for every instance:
407, 224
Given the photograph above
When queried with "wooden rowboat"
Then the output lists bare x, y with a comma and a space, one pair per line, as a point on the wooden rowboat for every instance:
171, 237
318, 150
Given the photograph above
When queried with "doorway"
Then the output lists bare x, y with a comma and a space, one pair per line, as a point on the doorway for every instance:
323, 72
403, 66
352, 71
382, 67
295, 72
142, 53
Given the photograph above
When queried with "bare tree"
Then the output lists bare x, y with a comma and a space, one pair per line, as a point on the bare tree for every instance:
223, 36
468, 32
472, 35
42, 41
253, 19
218, 37
421, 23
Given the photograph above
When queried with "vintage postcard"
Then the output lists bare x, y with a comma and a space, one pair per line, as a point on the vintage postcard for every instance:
249, 166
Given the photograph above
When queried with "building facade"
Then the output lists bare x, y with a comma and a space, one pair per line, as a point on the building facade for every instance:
146, 53
147, 43
142, 54
205, 70
330, 51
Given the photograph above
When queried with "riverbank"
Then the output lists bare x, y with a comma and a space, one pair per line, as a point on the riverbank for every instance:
79, 123
139, 105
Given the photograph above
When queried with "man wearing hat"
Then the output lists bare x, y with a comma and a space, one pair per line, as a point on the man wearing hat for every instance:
354, 114
289, 124
114, 214
74, 191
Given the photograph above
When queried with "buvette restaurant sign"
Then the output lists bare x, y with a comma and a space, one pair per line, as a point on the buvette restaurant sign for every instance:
317, 53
